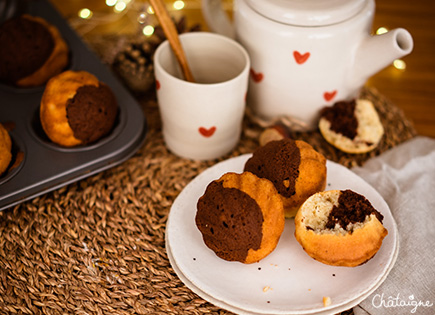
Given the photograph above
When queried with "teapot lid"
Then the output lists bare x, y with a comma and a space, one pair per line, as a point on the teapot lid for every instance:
307, 12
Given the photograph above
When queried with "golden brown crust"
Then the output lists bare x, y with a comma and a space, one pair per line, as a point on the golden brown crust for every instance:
311, 179
266, 196
53, 105
338, 249
5, 149
268, 200
57, 61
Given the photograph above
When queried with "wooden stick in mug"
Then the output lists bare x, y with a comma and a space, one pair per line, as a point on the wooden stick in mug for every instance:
172, 36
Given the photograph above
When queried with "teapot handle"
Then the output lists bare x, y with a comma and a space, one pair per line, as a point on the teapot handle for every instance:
217, 19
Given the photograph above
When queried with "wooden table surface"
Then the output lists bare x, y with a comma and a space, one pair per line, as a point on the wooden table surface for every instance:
412, 89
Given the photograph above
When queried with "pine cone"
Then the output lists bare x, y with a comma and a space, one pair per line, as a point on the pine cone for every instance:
134, 65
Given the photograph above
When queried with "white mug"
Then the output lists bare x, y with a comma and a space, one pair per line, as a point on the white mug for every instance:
202, 120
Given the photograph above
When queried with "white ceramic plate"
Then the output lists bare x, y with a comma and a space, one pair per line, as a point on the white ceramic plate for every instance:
221, 304
287, 281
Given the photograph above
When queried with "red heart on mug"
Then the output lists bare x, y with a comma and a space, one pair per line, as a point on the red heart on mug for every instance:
301, 58
328, 96
207, 132
256, 76
157, 84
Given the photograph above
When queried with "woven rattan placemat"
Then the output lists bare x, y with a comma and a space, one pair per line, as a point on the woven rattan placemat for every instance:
97, 246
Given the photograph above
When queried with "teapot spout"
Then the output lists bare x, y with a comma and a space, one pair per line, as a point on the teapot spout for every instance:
377, 52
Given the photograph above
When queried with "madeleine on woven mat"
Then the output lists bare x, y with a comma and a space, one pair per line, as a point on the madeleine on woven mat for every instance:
352, 127
339, 228
241, 217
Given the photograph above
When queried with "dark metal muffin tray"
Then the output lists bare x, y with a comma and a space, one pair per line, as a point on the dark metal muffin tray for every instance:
46, 166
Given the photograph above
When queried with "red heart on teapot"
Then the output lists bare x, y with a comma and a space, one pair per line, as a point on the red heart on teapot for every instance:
207, 132
157, 84
301, 58
328, 96
256, 76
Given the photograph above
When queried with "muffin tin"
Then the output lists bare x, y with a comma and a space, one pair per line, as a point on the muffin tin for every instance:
42, 166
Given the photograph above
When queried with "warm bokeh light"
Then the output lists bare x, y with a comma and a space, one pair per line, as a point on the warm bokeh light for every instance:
150, 10
381, 30
85, 13
148, 30
399, 64
111, 3
141, 18
120, 6
178, 5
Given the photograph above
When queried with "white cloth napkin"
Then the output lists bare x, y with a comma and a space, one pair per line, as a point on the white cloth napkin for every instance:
405, 177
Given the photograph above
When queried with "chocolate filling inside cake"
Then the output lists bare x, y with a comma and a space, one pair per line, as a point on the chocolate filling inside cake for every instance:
230, 222
25, 45
342, 118
278, 163
92, 112
352, 208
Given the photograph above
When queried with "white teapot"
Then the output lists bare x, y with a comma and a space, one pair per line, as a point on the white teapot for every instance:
306, 54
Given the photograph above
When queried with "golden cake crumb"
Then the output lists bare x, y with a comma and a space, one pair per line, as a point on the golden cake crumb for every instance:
326, 301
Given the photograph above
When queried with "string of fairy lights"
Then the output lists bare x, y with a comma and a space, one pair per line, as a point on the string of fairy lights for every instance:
138, 13
141, 11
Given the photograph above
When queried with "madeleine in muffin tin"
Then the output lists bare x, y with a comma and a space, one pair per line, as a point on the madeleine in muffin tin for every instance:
77, 109
32, 50
5, 149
